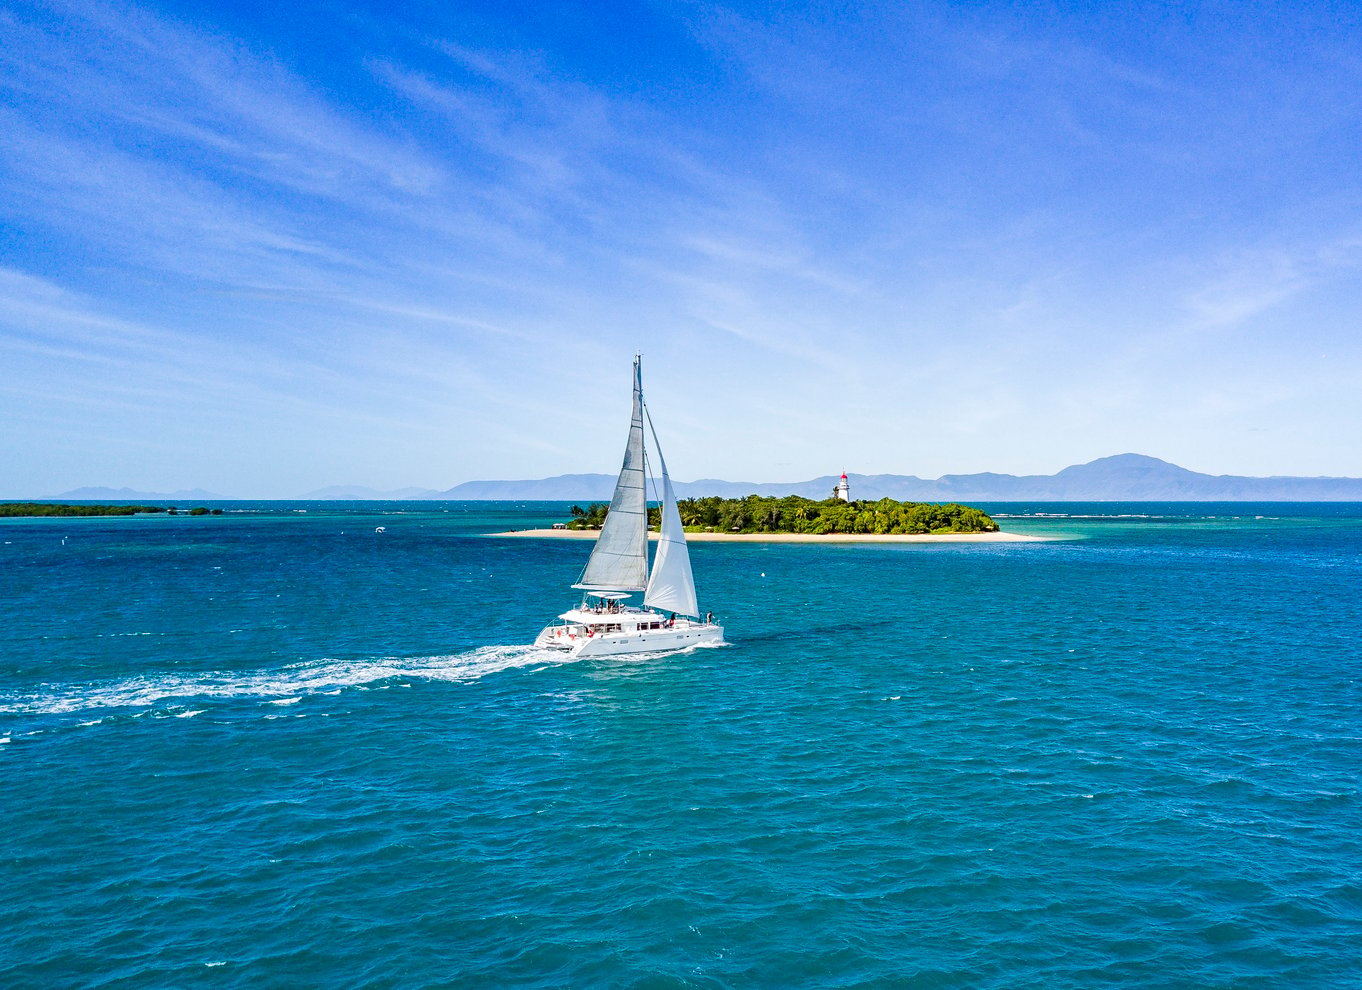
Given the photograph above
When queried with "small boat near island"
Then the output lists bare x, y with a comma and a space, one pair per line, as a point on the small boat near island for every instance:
603, 624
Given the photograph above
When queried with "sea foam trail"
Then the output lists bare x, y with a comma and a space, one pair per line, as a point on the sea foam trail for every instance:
281, 686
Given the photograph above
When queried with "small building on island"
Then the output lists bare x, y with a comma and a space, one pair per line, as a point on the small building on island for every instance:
843, 490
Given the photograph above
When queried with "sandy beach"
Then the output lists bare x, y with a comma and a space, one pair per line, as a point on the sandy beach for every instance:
591, 534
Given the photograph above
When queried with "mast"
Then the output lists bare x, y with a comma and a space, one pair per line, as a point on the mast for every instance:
619, 561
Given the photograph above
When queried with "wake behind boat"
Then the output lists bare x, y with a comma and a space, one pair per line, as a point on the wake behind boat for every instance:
603, 625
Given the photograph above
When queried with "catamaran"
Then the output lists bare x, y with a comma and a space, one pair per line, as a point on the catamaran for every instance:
604, 624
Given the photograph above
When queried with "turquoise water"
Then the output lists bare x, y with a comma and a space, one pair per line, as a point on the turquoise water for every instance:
275, 748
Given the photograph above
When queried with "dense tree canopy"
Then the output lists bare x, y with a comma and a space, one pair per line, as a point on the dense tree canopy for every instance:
56, 509
53, 509
795, 514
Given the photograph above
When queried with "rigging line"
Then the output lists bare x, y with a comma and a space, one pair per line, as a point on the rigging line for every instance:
648, 475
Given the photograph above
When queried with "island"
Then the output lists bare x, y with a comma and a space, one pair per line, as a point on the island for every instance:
796, 514
45, 509
794, 518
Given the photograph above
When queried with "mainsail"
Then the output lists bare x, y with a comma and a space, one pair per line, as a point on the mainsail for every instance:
671, 586
620, 560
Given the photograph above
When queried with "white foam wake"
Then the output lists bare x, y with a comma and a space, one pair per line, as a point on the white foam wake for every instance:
284, 685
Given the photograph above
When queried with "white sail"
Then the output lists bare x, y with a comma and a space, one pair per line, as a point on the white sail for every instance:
619, 561
671, 586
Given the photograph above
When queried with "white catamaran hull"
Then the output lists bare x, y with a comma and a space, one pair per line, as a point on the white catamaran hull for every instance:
579, 643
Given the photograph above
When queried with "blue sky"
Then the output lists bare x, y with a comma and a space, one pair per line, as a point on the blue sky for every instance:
262, 248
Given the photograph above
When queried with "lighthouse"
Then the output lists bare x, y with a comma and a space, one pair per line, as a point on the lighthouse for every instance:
843, 489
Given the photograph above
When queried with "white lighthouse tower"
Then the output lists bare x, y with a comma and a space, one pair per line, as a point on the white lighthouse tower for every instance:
843, 489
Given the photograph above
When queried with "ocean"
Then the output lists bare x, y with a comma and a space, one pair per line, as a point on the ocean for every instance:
277, 748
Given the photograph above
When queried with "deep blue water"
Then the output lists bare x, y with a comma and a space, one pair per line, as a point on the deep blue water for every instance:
275, 748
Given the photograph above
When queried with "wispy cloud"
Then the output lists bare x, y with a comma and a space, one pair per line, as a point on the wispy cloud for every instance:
986, 218
1242, 283
153, 214
1244, 286
147, 74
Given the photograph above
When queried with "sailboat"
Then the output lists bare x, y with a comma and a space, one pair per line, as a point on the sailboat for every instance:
669, 619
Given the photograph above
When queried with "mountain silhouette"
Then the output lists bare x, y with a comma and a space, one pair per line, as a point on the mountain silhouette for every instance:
1120, 478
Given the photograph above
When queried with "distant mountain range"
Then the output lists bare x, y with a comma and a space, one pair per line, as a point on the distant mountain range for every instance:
358, 493
1123, 478
129, 495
